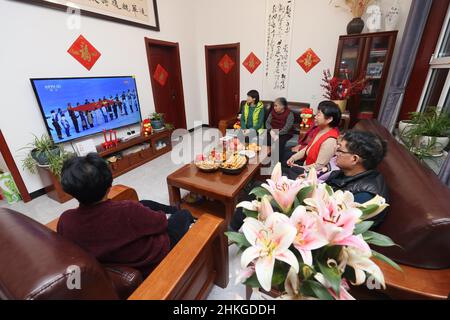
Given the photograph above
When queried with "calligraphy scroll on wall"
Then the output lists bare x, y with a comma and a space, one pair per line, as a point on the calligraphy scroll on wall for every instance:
141, 13
279, 23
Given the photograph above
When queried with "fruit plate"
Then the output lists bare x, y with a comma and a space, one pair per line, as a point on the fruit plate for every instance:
234, 171
207, 169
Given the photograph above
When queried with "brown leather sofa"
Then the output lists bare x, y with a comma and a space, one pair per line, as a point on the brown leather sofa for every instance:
418, 221
295, 107
34, 263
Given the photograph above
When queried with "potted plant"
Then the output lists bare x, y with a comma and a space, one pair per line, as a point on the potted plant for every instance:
430, 134
405, 126
157, 120
339, 90
43, 152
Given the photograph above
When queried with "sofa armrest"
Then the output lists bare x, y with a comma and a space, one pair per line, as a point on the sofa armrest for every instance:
124, 279
192, 266
225, 124
117, 193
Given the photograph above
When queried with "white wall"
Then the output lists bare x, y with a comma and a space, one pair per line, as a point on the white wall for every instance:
317, 25
36, 40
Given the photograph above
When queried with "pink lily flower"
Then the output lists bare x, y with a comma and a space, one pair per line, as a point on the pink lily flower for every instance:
282, 189
337, 225
308, 236
270, 241
264, 207
343, 288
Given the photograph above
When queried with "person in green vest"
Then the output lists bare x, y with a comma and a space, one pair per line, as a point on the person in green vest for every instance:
252, 113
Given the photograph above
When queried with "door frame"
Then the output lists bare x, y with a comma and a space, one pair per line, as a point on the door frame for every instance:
218, 47
176, 45
11, 164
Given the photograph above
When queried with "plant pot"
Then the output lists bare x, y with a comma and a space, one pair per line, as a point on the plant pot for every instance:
157, 124
431, 145
405, 126
342, 104
355, 26
42, 157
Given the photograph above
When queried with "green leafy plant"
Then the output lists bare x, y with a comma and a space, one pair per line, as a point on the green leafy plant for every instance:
169, 126
429, 123
56, 162
40, 151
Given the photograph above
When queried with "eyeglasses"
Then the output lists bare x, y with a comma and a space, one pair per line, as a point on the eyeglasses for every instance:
341, 151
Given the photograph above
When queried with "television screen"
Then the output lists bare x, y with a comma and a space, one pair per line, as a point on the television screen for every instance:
77, 107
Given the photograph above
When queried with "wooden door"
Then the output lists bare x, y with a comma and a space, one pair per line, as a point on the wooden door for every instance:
165, 74
223, 80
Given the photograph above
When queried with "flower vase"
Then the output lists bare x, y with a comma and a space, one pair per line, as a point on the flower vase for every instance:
355, 26
342, 104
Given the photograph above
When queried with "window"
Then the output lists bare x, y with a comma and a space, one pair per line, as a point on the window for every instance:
437, 86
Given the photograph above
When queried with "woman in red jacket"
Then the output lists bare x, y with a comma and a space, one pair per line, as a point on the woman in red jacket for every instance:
322, 146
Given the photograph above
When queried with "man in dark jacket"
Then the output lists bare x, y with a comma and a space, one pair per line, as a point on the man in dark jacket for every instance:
357, 156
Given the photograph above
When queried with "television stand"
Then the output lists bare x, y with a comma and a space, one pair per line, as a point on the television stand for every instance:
126, 156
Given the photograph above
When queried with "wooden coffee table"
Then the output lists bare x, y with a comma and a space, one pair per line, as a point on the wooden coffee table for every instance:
221, 189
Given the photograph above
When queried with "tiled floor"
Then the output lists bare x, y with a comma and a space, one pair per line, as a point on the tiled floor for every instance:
149, 181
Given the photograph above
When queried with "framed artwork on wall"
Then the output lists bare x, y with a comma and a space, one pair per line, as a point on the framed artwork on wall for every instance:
139, 13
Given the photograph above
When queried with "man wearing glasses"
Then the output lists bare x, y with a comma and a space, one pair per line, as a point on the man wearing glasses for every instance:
358, 154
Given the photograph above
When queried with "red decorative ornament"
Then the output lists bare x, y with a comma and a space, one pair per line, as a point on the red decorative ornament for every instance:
226, 64
161, 75
84, 52
251, 63
308, 60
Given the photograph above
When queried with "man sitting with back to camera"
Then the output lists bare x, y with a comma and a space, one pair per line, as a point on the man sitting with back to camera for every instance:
358, 154
128, 233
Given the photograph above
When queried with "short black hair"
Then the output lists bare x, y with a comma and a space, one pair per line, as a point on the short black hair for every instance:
370, 147
331, 110
254, 94
87, 178
282, 101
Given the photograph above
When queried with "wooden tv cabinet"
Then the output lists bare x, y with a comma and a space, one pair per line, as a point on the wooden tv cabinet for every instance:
123, 163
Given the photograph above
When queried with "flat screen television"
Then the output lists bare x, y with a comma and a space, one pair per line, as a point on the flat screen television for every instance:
73, 108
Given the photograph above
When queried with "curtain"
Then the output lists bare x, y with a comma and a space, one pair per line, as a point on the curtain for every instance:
444, 175
415, 25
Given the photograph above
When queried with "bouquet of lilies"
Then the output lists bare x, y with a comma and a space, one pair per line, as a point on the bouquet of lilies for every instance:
308, 241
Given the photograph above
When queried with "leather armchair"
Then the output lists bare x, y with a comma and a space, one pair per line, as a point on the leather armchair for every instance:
35, 261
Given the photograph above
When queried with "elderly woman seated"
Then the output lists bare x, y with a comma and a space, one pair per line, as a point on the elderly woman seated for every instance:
279, 125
